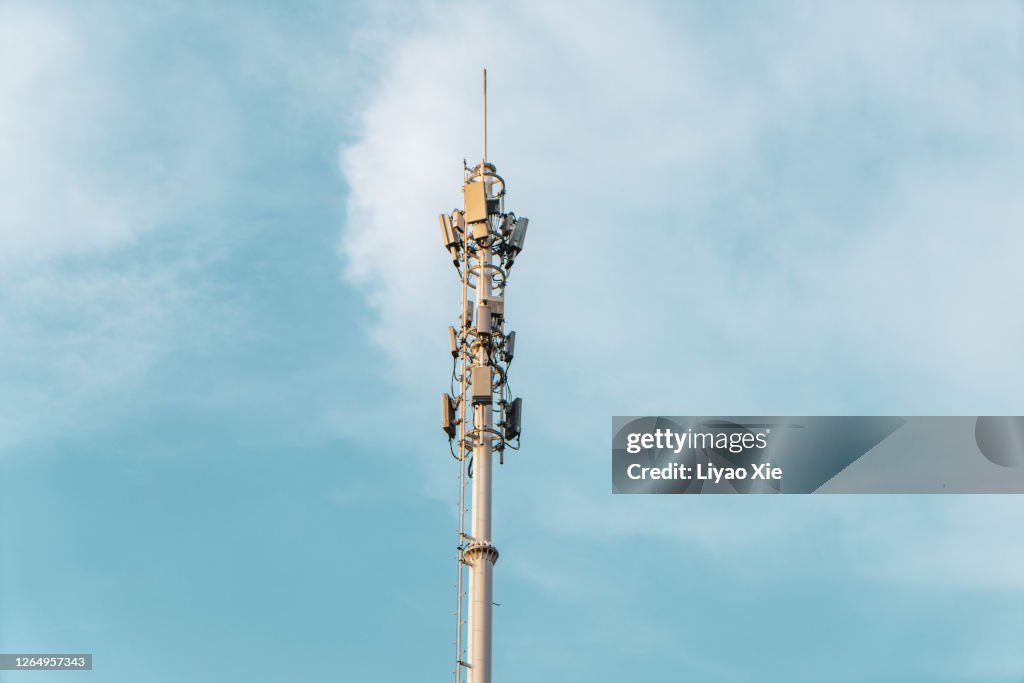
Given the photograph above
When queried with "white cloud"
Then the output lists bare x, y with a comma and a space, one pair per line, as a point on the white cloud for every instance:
56, 197
88, 168
807, 211
871, 154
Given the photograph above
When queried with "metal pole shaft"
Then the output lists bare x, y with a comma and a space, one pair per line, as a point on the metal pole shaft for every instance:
481, 569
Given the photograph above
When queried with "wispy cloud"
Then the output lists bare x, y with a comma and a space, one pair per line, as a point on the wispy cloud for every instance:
57, 196
99, 170
811, 193
795, 209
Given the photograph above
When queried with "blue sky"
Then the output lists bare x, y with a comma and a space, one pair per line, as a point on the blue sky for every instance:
223, 309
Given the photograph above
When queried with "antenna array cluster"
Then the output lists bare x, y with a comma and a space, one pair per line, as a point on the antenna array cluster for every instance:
483, 241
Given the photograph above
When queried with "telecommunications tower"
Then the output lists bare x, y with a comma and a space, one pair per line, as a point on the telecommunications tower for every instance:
479, 415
